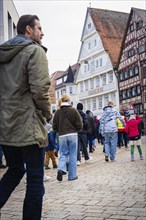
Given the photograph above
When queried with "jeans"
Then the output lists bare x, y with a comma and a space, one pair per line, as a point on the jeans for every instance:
1, 155
68, 153
33, 157
110, 144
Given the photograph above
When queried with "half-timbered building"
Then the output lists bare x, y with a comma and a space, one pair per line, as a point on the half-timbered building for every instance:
132, 63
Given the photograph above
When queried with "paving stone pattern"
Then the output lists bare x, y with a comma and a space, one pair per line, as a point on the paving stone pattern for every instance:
103, 191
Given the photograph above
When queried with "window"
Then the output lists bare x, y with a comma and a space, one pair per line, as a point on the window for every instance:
139, 24
86, 85
128, 93
124, 96
134, 91
94, 107
92, 66
100, 102
121, 76
89, 104
104, 79
85, 68
89, 25
57, 94
142, 48
138, 108
91, 83
110, 77
100, 61
97, 81
89, 45
113, 97
81, 87
131, 27
95, 42
70, 90
106, 99
131, 72
144, 71
136, 70
126, 74
96, 65
138, 91
131, 52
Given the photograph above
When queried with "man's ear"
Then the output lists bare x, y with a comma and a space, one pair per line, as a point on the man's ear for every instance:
28, 29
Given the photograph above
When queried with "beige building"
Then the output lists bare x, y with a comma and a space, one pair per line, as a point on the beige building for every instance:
8, 20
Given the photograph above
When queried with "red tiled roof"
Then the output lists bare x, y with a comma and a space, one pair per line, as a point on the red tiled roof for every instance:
111, 27
55, 76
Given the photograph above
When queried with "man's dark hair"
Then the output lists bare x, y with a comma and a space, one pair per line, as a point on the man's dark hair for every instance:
25, 20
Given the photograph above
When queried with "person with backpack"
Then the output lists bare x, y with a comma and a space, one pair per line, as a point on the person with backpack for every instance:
108, 128
82, 136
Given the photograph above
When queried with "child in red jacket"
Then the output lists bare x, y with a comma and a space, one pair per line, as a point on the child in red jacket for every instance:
134, 137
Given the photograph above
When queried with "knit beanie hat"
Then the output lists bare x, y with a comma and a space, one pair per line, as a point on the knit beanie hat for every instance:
80, 106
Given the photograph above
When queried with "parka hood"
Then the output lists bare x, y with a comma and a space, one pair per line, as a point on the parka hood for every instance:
12, 47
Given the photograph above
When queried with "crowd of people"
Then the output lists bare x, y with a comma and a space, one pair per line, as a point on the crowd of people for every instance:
30, 135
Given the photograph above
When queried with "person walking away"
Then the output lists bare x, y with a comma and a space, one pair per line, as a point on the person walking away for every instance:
108, 129
50, 154
90, 131
82, 137
67, 122
133, 133
24, 109
122, 136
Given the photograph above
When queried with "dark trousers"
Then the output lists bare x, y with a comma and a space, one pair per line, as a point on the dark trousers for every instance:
122, 137
82, 146
33, 158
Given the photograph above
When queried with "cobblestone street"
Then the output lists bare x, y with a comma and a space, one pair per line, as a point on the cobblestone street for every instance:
103, 191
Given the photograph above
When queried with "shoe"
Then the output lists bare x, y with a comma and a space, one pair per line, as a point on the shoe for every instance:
106, 158
141, 157
46, 178
2, 166
55, 166
73, 178
132, 158
91, 151
56, 154
78, 163
47, 167
113, 160
59, 175
89, 160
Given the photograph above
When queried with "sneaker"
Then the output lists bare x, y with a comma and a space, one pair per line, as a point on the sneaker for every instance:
73, 178
2, 166
106, 158
46, 178
59, 175
78, 163
132, 158
89, 160
141, 157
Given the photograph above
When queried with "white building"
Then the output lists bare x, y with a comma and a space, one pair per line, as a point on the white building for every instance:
101, 40
8, 20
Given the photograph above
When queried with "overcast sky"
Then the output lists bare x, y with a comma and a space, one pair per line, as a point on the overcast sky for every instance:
62, 23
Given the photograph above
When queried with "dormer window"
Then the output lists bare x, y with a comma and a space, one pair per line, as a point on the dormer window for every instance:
131, 27
139, 24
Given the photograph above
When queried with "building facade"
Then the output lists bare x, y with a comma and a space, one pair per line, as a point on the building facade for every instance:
8, 20
65, 83
132, 63
101, 40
